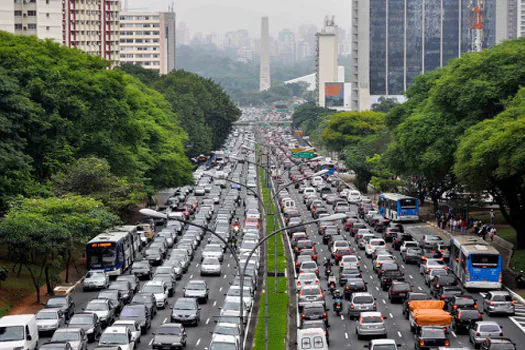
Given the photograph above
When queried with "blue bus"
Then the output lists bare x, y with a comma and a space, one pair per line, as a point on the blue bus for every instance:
475, 262
328, 166
398, 207
112, 252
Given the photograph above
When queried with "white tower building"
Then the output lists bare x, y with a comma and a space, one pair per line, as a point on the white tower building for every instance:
264, 73
326, 62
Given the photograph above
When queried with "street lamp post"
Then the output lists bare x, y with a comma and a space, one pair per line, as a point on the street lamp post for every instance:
242, 270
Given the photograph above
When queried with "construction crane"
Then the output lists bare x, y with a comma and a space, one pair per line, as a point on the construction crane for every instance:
475, 24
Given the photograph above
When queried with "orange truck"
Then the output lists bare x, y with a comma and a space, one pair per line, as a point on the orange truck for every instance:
428, 313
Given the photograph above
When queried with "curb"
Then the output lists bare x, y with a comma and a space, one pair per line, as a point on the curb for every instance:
515, 295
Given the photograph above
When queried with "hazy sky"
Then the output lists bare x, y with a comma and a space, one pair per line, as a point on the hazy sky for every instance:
219, 16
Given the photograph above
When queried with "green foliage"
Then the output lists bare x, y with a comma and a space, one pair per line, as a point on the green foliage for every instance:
309, 117
4, 273
384, 104
205, 110
147, 76
58, 104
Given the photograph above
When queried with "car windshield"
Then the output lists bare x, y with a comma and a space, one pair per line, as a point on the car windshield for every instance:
185, 305
371, 319
95, 274
385, 347
502, 297
66, 336
113, 339
11, 333
108, 295
363, 299
153, 289
169, 330
434, 333
502, 346
226, 330
401, 287
489, 328
140, 266
96, 307
222, 346
469, 314
196, 286
310, 291
56, 302
81, 320
132, 311
43, 315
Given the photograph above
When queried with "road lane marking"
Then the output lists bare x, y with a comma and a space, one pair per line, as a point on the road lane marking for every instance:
371, 277
225, 276
191, 277
208, 320
366, 267
418, 287
228, 265
346, 336
453, 334
150, 342
399, 334
220, 289
198, 342
165, 320
383, 300
215, 303
197, 265
391, 316
411, 277
342, 317
377, 288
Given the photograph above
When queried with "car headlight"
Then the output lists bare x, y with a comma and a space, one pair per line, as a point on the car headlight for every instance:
90, 331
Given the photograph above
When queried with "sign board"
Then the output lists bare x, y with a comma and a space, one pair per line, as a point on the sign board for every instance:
308, 155
298, 132
298, 150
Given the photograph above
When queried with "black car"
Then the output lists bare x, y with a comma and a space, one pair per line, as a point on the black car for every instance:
428, 338
154, 256
89, 322
448, 292
65, 303
186, 311
400, 239
413, 296
462, 319
412, 255
124, 288
441, 281
147, 299
142, 269
317, 324
139, 313
346, 273
390, 234
169, 336
461, 302
398, 290
329, 232
314, 312
354, 285
388, 276
114, 299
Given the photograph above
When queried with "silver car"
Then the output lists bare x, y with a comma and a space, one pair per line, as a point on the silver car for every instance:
311, 295
76, 337
361, 302
211, 266
49, 320
482, 330
370, 324
95, 279
498, 302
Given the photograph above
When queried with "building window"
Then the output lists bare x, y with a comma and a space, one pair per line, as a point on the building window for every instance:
47, 28
18, 13
18, 26
47, 15
31, 13
31, 26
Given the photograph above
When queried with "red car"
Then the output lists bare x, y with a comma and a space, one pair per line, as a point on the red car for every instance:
186, 211
251, 222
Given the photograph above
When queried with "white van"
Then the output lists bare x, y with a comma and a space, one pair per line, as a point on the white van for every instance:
311, 339
18, 332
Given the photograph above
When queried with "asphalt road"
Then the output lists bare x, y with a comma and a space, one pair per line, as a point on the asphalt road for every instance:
198, 337
342, 330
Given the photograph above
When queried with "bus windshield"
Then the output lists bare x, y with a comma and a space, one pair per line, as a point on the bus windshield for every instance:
99, 257
484, 260
408, 203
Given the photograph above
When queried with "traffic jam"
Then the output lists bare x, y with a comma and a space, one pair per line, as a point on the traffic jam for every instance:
370, 282
171, 281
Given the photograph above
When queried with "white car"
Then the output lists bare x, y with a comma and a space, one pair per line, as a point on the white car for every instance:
354, 197
133, 326
222, 341
349, 261
95, 279
373, 244
306, 279
234, 293
408, 244
159, 291
211, 266
117, 336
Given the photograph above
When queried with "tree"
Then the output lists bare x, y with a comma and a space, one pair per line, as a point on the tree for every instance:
40, 232
384, 104
147, 76
491, 156
308, 117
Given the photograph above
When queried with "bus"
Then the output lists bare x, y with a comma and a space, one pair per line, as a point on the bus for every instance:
328, 166
111, 252
398, 207
475, 262
135, 236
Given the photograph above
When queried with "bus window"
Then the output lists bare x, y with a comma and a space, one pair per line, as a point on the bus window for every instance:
408, 203
484, 260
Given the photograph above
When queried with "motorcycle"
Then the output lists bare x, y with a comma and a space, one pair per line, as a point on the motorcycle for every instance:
338, 302
236, 229
328, 271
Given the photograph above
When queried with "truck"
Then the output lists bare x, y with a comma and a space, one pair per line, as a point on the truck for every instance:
425, 313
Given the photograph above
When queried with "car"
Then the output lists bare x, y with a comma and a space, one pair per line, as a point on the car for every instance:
139, 313
430, 253
234, 293
146, 299
311, 295
441, 281
142, 269
347, 273
167, 279
186, 311
64, 302
124, 288
169, 336
462, 319
117, 336
498, 344
133, 326
58, 345
115, 303
371, 324
382, 344
306, 279
49, 320
76, 337
134, 280
408, 244
89, 322
429, 264
154, 256
482, 330
461, 302
309, 324
431, 241
400, 239
210, 266
197, 289
428, 338
225, 328
398, 290
498, 302
382, 259
102, 308
354, 285
361, 302
314, 312
95, 279
433, 274
221, 341
448, 292
413, 296
309, 267
349, 261
390, 234
300, 259
159, 289
339, 253
387, 277
412, 255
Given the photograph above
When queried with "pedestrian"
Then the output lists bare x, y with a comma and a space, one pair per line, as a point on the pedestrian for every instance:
492, 233
492, 215
438, 221
463, 225
444, 223
453, 225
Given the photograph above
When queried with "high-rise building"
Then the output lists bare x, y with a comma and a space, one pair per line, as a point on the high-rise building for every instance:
326, 59
264, 69
395, 40
520, 18
93, 27
286, 46
41, 18
183, 34
148, 39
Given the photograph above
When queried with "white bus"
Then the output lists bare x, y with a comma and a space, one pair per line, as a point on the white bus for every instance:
111, 252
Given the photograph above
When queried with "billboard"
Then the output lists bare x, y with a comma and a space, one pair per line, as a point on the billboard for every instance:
334, 95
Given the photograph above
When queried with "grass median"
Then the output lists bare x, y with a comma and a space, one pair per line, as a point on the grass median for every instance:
277, 300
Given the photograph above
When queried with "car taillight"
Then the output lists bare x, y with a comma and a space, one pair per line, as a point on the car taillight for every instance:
437, 285
447, 342
316, 271
421, 343
369, 246
317, 282
342, 276
475, 306
338, 304
347, 288
455, 307
491, 303
374, 306
351, 306
298, 283
443, 297
360, 275
501, 334
302, 315
324, 314
513, 302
